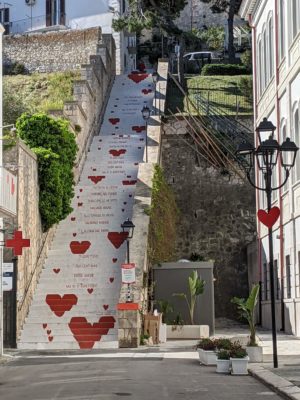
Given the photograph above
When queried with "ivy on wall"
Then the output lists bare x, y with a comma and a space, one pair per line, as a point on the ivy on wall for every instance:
163, 218
55, 146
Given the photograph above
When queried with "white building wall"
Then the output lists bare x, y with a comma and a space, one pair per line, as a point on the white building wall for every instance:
79, 15
279, 102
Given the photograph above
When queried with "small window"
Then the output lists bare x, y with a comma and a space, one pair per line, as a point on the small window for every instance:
276, 280
266, 292
288, 277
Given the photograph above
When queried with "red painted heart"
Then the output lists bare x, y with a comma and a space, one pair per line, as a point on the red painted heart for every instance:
86, 334
268, 218
48, 331
60, 304
105, 306
137, 78
96, 179
117, 153
74, 234
138, 129
56, 270
114, 260
114, 121
80, 204
117, 238
50, 338
111, 279
80, 247
127, 183
45, 326
90, 290
73, 218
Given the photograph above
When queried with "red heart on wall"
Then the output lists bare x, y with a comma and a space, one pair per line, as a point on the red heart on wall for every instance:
86, 334
114, 121
137, 78
117, 238
105, 306
50, 338
80, 247
268, 218
96, 179
45, 326
90, 290
114, 260
48, 331
111, 279
59, 305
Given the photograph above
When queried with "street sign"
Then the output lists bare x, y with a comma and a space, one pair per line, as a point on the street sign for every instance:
128, 273
7, 277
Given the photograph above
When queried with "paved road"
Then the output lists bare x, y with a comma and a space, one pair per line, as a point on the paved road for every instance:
138, 378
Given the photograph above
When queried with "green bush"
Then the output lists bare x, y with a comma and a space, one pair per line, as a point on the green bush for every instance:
245, 85
15, 68
246, 59
14, 105
56, 149
224, 69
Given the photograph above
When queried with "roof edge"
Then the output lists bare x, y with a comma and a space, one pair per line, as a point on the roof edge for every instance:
246, 8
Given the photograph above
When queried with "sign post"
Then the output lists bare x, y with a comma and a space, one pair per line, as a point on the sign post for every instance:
128, 277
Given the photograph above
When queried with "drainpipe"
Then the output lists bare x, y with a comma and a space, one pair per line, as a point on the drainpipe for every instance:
281, 233
255, 97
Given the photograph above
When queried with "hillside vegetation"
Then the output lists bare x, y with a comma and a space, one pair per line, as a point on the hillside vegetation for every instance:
36, 93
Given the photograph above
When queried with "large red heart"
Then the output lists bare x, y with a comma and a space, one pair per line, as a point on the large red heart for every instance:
96, 179
86, 333
268, 218
117, 238
117, 153
126, 183
114, 121
59, 305
137, 78
80, 247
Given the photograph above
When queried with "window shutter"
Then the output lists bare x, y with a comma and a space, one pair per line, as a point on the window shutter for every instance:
62, 20
48, 12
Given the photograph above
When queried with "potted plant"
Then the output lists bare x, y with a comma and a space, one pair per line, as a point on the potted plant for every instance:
165, 308
239, 360
207, 351
223, 361
192, 331
246, 309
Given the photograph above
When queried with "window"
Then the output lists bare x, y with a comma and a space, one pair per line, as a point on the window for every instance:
282, 29
264, 66
296, 123
295, 17
266, 283
276, 280
288, 277
4, 19
283, 137
259, 68
298, 273
271, 49
55, 12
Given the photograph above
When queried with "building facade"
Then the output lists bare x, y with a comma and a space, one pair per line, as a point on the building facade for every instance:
276, 70
24, 16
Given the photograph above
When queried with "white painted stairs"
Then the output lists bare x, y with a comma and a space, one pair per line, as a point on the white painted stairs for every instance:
74, 306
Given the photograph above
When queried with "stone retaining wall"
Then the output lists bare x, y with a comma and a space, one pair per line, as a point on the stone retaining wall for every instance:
52, 51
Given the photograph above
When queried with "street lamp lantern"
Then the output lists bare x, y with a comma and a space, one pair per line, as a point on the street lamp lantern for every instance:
266, 155
265, 129
288, 152
128, 227
146, 113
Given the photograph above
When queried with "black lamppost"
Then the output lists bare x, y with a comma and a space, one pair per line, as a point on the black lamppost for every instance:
146, 116
155, 78
128, 227
266, 156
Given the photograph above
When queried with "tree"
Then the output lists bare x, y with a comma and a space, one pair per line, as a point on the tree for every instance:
147, 14
231, 7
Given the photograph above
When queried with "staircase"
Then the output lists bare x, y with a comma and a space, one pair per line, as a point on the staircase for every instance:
74, 306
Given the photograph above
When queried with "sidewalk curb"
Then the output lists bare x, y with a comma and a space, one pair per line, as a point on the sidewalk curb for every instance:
280, 385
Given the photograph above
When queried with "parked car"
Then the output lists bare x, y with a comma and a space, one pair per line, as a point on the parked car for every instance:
193, 62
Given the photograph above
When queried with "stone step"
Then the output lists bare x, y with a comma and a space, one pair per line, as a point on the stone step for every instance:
69, 345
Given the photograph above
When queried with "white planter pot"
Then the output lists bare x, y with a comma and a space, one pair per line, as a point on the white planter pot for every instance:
163, 333
255, 354
239, 366
207, 357
223, 366
187, 331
